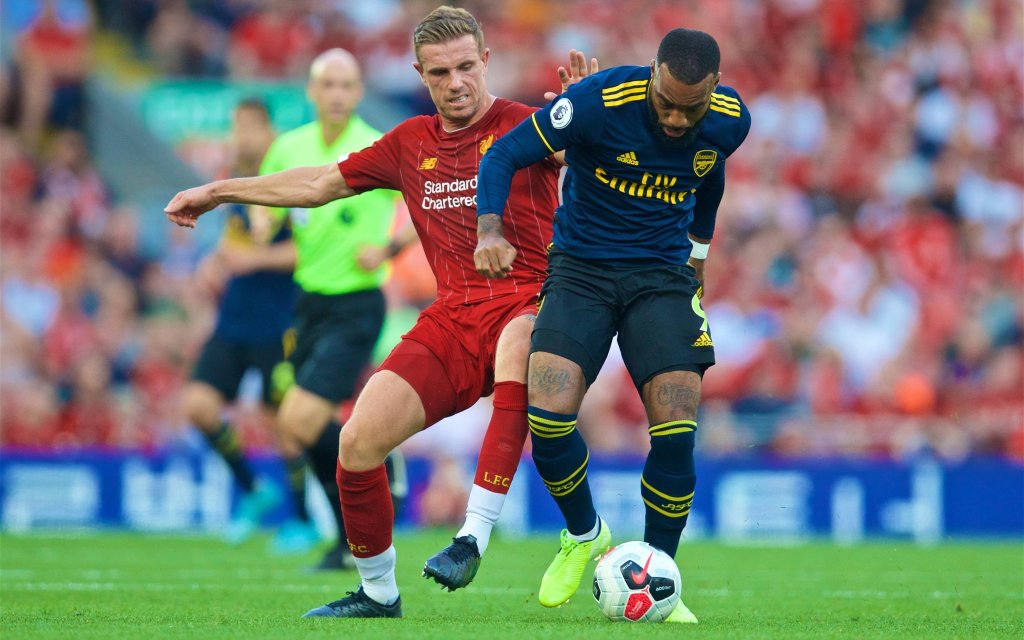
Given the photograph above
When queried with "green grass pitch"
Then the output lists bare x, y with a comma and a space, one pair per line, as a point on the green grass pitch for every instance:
137, 586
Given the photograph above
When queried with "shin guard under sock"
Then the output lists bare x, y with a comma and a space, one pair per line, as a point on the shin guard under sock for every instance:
369, 513
668, 482
561, 457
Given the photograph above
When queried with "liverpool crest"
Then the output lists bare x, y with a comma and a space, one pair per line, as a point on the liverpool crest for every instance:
486, 143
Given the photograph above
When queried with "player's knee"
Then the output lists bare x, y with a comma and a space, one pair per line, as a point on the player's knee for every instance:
513, 351
202, 406
360, 449
673, 395
555, 383
303, 415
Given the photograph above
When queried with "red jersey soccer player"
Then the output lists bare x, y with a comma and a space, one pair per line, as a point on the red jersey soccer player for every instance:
472, 339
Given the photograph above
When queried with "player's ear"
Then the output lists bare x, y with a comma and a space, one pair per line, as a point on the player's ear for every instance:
485, 56
419, 69
718, 78
653, 66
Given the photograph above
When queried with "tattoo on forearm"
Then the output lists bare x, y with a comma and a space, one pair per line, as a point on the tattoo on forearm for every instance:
548, 380
488, 223
681, 401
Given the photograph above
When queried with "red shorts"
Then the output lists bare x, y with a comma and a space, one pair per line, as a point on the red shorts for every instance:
448, 356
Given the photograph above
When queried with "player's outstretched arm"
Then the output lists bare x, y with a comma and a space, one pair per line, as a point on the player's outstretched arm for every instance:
305, 187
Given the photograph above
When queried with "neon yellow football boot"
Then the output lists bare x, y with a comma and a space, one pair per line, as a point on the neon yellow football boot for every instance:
564, 574
681, 614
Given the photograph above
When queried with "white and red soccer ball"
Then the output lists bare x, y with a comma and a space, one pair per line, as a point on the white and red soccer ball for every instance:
635, 582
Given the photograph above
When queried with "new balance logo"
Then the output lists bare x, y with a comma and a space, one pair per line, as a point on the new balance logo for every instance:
428, 164
629, 158
703, 341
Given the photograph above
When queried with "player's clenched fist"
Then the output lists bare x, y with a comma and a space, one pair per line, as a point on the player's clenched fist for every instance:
186, 207
494, 255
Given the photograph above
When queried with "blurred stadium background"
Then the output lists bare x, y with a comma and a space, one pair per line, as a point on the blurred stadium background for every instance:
865, 287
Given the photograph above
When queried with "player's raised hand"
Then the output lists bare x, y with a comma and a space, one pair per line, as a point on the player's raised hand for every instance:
577, 71
186, 207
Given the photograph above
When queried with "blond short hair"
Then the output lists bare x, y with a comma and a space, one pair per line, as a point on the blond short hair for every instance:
444, 24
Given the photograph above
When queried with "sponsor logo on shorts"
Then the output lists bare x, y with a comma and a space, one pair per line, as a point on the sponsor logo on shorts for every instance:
703, 341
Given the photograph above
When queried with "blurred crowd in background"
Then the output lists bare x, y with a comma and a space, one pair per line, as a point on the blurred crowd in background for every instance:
865, 283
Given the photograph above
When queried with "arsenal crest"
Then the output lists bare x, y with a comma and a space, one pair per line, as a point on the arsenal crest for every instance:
703, 161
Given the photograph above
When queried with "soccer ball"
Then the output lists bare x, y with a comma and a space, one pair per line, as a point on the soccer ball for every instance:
636, 582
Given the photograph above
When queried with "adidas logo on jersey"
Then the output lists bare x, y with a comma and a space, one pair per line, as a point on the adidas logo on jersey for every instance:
703, 341
629, 158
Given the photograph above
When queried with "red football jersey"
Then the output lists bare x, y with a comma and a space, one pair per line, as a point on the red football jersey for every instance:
436, 172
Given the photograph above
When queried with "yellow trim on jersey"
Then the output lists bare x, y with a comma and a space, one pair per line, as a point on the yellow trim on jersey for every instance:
728, 112
615, 103
622, 86
725, 98
725, 104
289, 339
625, 92
533, 117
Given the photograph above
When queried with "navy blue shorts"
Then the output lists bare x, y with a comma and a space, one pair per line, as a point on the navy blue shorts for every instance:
224, 361
654, 310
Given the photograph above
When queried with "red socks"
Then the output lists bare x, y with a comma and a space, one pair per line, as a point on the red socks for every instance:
506, 434
369, 513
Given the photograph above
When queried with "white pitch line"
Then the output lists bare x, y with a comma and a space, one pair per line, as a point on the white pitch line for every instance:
158, 586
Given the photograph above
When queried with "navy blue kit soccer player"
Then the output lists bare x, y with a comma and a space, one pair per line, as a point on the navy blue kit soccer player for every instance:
646, 149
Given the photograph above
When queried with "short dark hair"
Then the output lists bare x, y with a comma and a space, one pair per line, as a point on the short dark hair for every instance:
445, 24
689, 54
253, 103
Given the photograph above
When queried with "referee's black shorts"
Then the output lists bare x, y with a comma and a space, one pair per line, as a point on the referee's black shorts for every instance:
335, 337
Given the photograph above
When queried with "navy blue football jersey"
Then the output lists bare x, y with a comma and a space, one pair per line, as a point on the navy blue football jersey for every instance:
257, 306
628, 195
